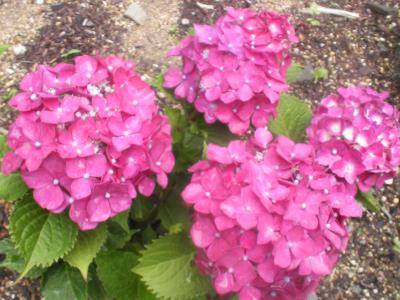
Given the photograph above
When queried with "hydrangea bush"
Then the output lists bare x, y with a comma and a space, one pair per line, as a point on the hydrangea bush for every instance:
89, 136
357, 136
235, 70
269, 220
261, 216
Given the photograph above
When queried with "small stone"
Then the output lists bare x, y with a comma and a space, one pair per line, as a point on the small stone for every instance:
185, 21
380, 8
136, 12
56, 6
19, 50
365, 70
356, 289
39, 2
306, 74
161, 95
87, 23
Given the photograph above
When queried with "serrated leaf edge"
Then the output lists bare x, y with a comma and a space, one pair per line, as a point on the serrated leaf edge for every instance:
21, 252
193, 296
95, 255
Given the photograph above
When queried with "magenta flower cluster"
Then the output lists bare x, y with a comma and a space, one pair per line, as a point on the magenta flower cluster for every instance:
269, 221
88, 136
234, 71
357, 136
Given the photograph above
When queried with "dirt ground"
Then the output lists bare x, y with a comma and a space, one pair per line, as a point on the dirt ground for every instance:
364, 50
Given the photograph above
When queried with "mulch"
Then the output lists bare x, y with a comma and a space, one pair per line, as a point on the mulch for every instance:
83, 25
198, 14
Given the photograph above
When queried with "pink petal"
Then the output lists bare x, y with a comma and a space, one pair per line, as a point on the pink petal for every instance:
81, 188
98, 210
193, 193
49, 197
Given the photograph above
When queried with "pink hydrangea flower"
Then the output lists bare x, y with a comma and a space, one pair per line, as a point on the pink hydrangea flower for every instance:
357, 136
234, 71
269, 220
88, 136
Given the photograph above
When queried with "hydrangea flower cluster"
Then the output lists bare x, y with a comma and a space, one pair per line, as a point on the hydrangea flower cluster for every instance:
269, 221
235, 70
357, 136
88, 136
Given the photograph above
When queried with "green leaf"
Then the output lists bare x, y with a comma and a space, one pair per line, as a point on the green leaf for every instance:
143, 293
63, 282
167, 269
320, 73
12, 187
148, 235
293, 118
313, 22
368, 201
396, 246
174, 214
13, 260
95, 288
3, 49
41, 237
188, 151
142, 208
178, 123
122, 219
9, 94
117, 237
87, 245
70, 53
217, 133
114, 270
293, 73
157, 83
191, 31
3, 146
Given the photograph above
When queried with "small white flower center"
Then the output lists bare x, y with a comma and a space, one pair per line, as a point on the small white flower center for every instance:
107, 195
56, 181
34, 97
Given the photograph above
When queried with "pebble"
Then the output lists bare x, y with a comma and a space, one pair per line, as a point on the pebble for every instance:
380, 8
136, 12
161, 95
56, 6
19, 50
39, 1
185, 21
306, 74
